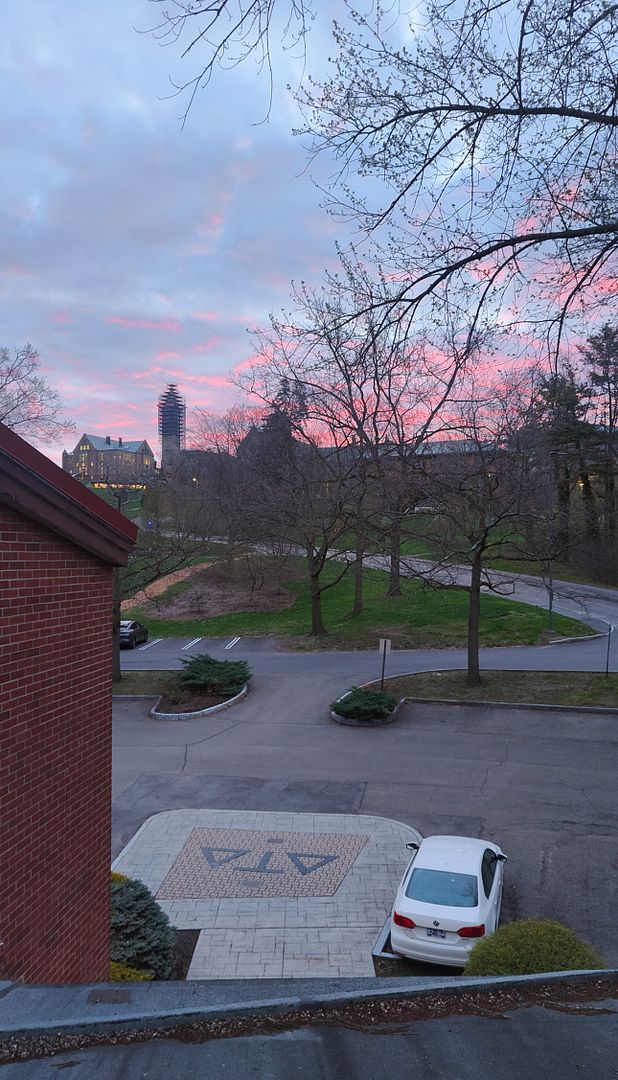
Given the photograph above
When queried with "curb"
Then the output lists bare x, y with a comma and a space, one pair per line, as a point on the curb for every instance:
201, 712
602, 709
116, 1009
349, 723
518, 705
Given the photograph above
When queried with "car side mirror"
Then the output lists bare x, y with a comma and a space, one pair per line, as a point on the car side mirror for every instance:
502, 858
412, 845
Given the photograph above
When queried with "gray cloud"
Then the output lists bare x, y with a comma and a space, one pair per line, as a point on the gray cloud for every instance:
133, 251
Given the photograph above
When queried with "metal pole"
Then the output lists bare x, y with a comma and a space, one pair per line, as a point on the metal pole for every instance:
383, 664
550, 609
609, 645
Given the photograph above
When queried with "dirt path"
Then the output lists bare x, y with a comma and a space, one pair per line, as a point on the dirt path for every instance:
160, 585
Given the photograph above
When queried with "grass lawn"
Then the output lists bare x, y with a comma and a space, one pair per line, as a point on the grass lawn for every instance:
145, 682
418, 618
536, 687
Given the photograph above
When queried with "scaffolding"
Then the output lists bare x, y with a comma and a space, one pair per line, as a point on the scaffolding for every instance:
172, 423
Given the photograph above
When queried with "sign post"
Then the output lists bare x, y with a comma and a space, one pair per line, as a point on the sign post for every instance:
384, 647
610, 628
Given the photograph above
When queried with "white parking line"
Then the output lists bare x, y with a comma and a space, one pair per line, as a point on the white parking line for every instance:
150, 644
232, 643
191, 643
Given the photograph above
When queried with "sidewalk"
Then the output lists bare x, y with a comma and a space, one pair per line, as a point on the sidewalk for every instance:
274, 895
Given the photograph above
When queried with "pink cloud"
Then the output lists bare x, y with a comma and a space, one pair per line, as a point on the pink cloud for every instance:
61, 317
206, 316
170, 325
18, 269
249, 362
211, 224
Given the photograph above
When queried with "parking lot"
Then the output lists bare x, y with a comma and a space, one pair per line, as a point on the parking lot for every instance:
541, 783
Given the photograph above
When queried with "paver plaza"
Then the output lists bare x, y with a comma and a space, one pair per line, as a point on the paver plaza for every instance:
273, 895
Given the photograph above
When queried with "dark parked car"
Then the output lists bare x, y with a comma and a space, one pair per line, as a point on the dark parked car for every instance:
132, 633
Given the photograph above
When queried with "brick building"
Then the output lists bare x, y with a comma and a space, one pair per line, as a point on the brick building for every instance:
58, 545
107, 462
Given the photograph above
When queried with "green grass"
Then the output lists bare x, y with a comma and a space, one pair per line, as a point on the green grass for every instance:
535, 687
145, 682
418, 618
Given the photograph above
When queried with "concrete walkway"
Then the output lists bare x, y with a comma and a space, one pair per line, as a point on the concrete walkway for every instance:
274, 895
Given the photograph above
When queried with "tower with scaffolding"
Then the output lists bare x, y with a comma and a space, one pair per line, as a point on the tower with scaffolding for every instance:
172, 425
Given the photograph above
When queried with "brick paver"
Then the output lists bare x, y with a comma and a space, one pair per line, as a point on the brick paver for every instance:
274, 895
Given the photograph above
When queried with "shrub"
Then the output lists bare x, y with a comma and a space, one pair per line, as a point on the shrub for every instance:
529, 947
363, 704
124, 973
226, 677
141, 934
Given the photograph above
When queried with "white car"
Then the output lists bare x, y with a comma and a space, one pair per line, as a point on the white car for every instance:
449, 897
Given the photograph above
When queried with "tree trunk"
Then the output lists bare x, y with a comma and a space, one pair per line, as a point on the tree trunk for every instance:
116, 672
394, 586
358, 577
317, 626
474, 611
564, 499
610, 507
590, 510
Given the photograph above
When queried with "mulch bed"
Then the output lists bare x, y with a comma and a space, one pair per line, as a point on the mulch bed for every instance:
189, 703
184, 947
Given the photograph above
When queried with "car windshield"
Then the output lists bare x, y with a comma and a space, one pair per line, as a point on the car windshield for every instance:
125, 625
442, 887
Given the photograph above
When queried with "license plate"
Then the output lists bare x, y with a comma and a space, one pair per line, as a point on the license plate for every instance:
436, 933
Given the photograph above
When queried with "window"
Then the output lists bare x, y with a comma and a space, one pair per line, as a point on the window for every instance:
442, 887
488, 870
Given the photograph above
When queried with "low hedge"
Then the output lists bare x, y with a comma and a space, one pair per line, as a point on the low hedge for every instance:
361, 704
203, 673
530, 947
141, 936
125, 973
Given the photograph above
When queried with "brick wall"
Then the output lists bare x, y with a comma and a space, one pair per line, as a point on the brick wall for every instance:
55, 756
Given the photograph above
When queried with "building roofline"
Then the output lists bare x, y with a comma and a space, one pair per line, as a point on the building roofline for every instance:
39, 489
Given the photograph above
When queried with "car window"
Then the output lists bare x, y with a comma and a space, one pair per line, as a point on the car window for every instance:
442, 887
488, 870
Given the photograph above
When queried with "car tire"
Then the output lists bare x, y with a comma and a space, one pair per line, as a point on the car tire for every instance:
133, 642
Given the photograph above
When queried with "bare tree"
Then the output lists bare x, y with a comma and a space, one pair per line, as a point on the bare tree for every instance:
27, 404
222, 33
482, 485
370, 393
493, 130
489, 130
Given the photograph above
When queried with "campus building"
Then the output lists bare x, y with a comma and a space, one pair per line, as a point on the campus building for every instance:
105, 462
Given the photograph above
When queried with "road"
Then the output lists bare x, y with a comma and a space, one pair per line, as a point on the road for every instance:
266, 656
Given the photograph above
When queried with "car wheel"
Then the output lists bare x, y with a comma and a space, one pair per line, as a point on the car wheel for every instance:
133, 642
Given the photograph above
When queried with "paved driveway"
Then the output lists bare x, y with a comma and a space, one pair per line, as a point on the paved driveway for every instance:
541, 783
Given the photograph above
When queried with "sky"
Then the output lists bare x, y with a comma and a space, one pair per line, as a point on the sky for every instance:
135, 252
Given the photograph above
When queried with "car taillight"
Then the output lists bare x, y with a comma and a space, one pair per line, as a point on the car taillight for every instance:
472, 931
403, 920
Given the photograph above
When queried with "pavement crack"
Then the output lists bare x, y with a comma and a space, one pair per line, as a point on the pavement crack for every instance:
495, 765
215, 735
